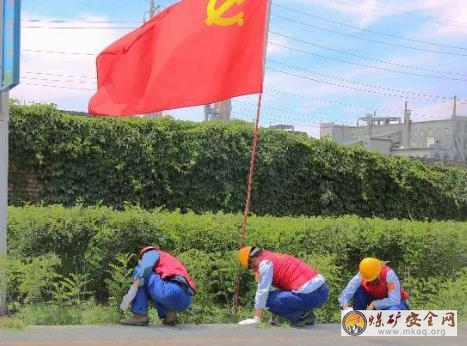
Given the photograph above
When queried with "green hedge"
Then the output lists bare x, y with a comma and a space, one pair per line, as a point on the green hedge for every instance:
203, 167
87, 241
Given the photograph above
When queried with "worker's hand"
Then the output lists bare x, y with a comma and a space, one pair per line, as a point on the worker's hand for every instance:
250, 321
128, 298
370, 307
346, 307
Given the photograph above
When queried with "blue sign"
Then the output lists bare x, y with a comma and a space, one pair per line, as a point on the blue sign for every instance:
9, 54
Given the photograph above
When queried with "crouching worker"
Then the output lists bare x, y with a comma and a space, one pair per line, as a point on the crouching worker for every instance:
163, 279
287, 286
375, 287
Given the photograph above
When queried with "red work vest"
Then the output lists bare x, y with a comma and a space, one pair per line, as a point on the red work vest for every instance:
168, 266
379, 289
289, 273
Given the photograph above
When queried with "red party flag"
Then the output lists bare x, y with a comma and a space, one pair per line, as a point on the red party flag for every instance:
195, 52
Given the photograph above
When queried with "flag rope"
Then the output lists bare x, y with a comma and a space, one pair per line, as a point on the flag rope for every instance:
248, 194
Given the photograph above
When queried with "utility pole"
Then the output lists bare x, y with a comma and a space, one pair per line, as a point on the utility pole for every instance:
3, 196
406, 128
3, 174
454, 108
9, 78
152, 8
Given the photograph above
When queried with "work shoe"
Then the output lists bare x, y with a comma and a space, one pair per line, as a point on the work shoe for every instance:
306, 319
136, 320
170, 319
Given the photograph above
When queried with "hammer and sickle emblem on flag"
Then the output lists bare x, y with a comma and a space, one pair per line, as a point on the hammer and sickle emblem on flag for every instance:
215, 15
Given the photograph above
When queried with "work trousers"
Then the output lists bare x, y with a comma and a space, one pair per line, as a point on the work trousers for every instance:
165, 294
292, 305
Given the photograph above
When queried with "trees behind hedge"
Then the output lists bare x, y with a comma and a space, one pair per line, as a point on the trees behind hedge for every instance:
202, 167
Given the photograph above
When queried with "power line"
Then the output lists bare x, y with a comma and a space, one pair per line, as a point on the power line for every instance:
353, 4
58, 86
335, 22
58, 74
320, 99
56, 80
57, 52
366, 39
303, 51
352, 105
266, 90
308, 53
445, 99
286, 113
253, 105
405, 93
75, 27
361, 56
374, 86
63, 21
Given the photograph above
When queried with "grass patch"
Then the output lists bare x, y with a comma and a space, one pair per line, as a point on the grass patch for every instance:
11, 322
49, 314
98, 314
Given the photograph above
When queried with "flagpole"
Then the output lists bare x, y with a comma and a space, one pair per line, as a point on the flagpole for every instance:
255, 135
248, 192
251, 172
252, 159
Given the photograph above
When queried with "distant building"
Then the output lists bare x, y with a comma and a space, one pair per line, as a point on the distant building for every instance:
287, 128
437, 140
218, 111
153, 115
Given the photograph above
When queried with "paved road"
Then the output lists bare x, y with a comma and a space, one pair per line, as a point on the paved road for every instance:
207, 335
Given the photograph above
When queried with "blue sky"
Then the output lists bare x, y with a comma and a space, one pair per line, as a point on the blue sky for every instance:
333, 60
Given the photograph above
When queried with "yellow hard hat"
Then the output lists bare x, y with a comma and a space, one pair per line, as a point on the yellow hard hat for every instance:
244, 255
370, 268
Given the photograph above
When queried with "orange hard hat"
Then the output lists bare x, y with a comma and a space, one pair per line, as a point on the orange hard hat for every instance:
244, 255
370, 268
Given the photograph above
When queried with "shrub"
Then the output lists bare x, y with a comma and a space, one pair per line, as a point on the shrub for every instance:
58, 158
429, 257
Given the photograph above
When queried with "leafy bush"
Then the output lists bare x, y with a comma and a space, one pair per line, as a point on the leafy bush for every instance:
439, 294
30, 280
71, 290
332, 272
429, 257
58, 158
119, 281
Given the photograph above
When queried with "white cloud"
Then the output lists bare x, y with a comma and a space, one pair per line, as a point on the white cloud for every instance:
452, 16
361, 15
448, 17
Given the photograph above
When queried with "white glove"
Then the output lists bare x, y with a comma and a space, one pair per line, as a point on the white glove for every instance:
250, 321
348, 308
128, 298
